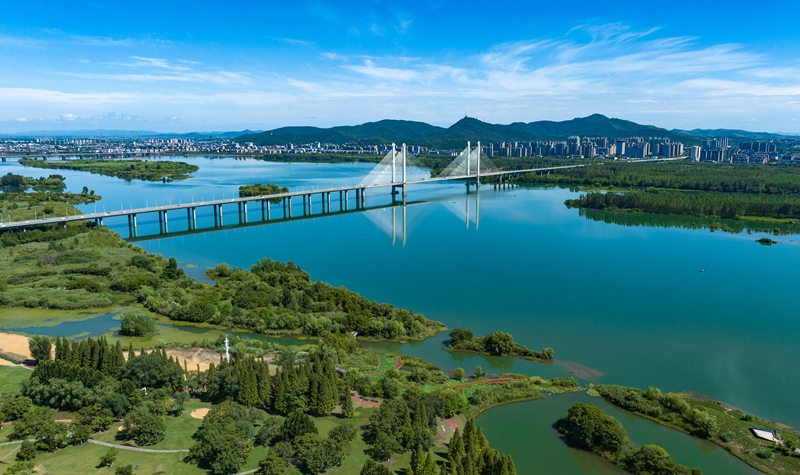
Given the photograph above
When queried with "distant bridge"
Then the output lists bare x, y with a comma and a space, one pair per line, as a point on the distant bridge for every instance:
467, 166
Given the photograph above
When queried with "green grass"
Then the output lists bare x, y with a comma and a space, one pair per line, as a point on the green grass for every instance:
84, 458
11, 377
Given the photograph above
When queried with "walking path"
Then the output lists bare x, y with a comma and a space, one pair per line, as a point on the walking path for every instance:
136, 449
397, 365
17, 358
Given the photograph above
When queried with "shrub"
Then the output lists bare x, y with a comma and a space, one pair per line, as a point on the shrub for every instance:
133, 324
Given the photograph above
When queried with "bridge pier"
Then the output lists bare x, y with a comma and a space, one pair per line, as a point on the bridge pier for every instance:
328, 196
363, 197
194, 217
289, 206
304, 204
166, 228
133, 219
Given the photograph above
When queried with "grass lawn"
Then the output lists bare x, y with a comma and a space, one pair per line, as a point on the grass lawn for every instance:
84, 458
179, 430
11, 377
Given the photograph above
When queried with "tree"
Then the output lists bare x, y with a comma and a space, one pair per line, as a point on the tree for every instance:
372, 467
418, 461
27, 451
459, 373
223, 440
460, 334
107, 459
479, 372
80, 434
592, 428
152, 371
133, 324
499, 343
144, 426
273, 464
40, 347
347, 405
124, 470
295, 425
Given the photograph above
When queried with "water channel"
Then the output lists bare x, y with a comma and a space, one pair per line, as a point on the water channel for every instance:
619, 304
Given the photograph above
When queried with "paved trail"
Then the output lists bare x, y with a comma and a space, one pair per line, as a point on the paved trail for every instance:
136, 449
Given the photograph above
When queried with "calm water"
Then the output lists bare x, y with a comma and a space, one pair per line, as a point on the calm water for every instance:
619, 304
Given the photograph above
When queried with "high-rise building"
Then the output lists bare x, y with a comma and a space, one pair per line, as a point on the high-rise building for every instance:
694, 154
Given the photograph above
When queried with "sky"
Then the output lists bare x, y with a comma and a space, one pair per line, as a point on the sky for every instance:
181, 66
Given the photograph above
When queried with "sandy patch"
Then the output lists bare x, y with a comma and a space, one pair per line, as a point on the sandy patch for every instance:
200, 413
191, 266
6, 363
16, 344
195, 356
120, 428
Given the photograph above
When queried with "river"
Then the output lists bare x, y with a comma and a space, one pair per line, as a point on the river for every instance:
619, 304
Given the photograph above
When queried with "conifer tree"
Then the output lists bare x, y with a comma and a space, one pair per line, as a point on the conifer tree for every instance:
347, 405
131, 352
430, 466
455, 450
264, 385
210, 375
327, 399
418, 461
279, 401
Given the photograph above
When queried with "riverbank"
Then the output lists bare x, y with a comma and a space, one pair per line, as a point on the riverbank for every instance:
90, 267
713, 421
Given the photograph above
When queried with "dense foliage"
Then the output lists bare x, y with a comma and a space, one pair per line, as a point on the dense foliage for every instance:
670, 408
160, 170
591, 428
12, 182
260, 190
90, 267
498, 344
722, 205
134, 324
681, 176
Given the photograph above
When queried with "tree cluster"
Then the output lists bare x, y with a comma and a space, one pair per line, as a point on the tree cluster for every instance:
260, 190
591, 428
133, 324
125, 169
498, 344
681, 176
711, 205
670, 408
470, 454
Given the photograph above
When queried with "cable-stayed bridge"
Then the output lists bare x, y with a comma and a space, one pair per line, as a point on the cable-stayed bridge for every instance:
397, 170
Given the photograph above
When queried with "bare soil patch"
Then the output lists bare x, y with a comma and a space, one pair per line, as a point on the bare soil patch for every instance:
17, 344
199, 413
195, 356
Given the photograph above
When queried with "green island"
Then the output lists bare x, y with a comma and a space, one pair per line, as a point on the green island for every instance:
735, 226
260, 190
780, 208
47, 199
590, 428
496, 344
679, 175
147, 170
729, 428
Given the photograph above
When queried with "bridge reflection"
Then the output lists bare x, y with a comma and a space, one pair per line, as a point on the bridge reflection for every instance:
392, 224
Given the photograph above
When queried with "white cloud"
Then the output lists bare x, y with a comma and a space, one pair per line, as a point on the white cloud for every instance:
22, 119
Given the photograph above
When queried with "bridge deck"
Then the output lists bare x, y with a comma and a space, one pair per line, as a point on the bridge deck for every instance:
220, 202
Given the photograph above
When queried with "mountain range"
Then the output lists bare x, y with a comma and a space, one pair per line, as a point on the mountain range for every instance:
427, 135
455, 136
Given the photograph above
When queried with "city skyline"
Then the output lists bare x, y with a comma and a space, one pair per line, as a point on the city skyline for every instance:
172, 68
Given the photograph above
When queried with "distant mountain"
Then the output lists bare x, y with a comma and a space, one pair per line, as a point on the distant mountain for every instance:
456, 135
125, 134
598, 125
734, 134
99, 133
370, 133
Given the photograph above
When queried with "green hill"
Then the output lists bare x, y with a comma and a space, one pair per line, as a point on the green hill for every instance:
383, 131
456, 135
734, 134
598, 125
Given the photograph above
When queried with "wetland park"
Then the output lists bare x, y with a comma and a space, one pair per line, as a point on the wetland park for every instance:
379, 340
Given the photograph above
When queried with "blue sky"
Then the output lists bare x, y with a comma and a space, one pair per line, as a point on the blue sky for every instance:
201, 66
